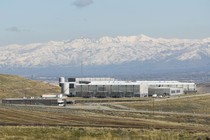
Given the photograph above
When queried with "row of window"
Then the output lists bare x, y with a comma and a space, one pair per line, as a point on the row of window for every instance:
175, 91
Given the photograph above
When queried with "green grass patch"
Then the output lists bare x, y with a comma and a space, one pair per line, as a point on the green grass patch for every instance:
87, 133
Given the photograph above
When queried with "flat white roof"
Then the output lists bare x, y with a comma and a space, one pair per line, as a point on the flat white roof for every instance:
111, 83
158, 81
136, 83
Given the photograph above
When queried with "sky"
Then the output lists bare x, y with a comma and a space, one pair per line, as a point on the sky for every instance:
36, 21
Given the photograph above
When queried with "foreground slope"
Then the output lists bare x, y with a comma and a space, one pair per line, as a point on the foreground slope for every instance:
15, 86
135, 123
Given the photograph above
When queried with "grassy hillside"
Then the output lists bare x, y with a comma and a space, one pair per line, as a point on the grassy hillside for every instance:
44, 122
15, 86
91, 133
199, 104
35, 122
184, 117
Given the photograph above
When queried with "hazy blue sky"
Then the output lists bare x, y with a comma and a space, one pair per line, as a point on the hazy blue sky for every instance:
28, 21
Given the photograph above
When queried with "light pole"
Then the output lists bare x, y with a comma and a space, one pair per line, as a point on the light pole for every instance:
153, 106
153, 103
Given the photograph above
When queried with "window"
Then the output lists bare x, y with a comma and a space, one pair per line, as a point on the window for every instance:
102, 88
173, 91
71, 85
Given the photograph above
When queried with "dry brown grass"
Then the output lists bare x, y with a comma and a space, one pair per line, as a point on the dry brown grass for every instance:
45, 122
52, 116
190, 104
37, 122
34, 122
93, 133
15, 86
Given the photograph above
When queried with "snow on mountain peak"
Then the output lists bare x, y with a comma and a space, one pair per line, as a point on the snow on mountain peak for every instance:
145, 38
206, 40
104, 51
193, 55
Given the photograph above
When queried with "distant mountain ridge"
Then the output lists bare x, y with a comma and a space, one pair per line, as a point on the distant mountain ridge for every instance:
107, 51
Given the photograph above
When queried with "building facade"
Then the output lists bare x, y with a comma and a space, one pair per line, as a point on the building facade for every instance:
109, 87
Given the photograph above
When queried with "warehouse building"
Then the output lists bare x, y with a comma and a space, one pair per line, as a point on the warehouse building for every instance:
164, 91
109, 87
35, 101
186, 87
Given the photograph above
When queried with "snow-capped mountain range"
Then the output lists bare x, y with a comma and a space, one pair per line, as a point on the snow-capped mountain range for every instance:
106, 51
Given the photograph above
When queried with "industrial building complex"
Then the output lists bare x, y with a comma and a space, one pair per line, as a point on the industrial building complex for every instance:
110, 87
103, 88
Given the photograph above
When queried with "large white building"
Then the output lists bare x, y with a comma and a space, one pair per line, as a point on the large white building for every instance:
109, 87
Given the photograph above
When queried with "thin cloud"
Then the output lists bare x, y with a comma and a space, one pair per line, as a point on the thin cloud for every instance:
82, 3
16, 29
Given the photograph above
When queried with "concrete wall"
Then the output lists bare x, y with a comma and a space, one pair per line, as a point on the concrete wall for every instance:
165, 91
159, 91
107, 91
51, 102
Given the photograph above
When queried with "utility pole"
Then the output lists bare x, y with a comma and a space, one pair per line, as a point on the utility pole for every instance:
153, 106
82, 63
82, 60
